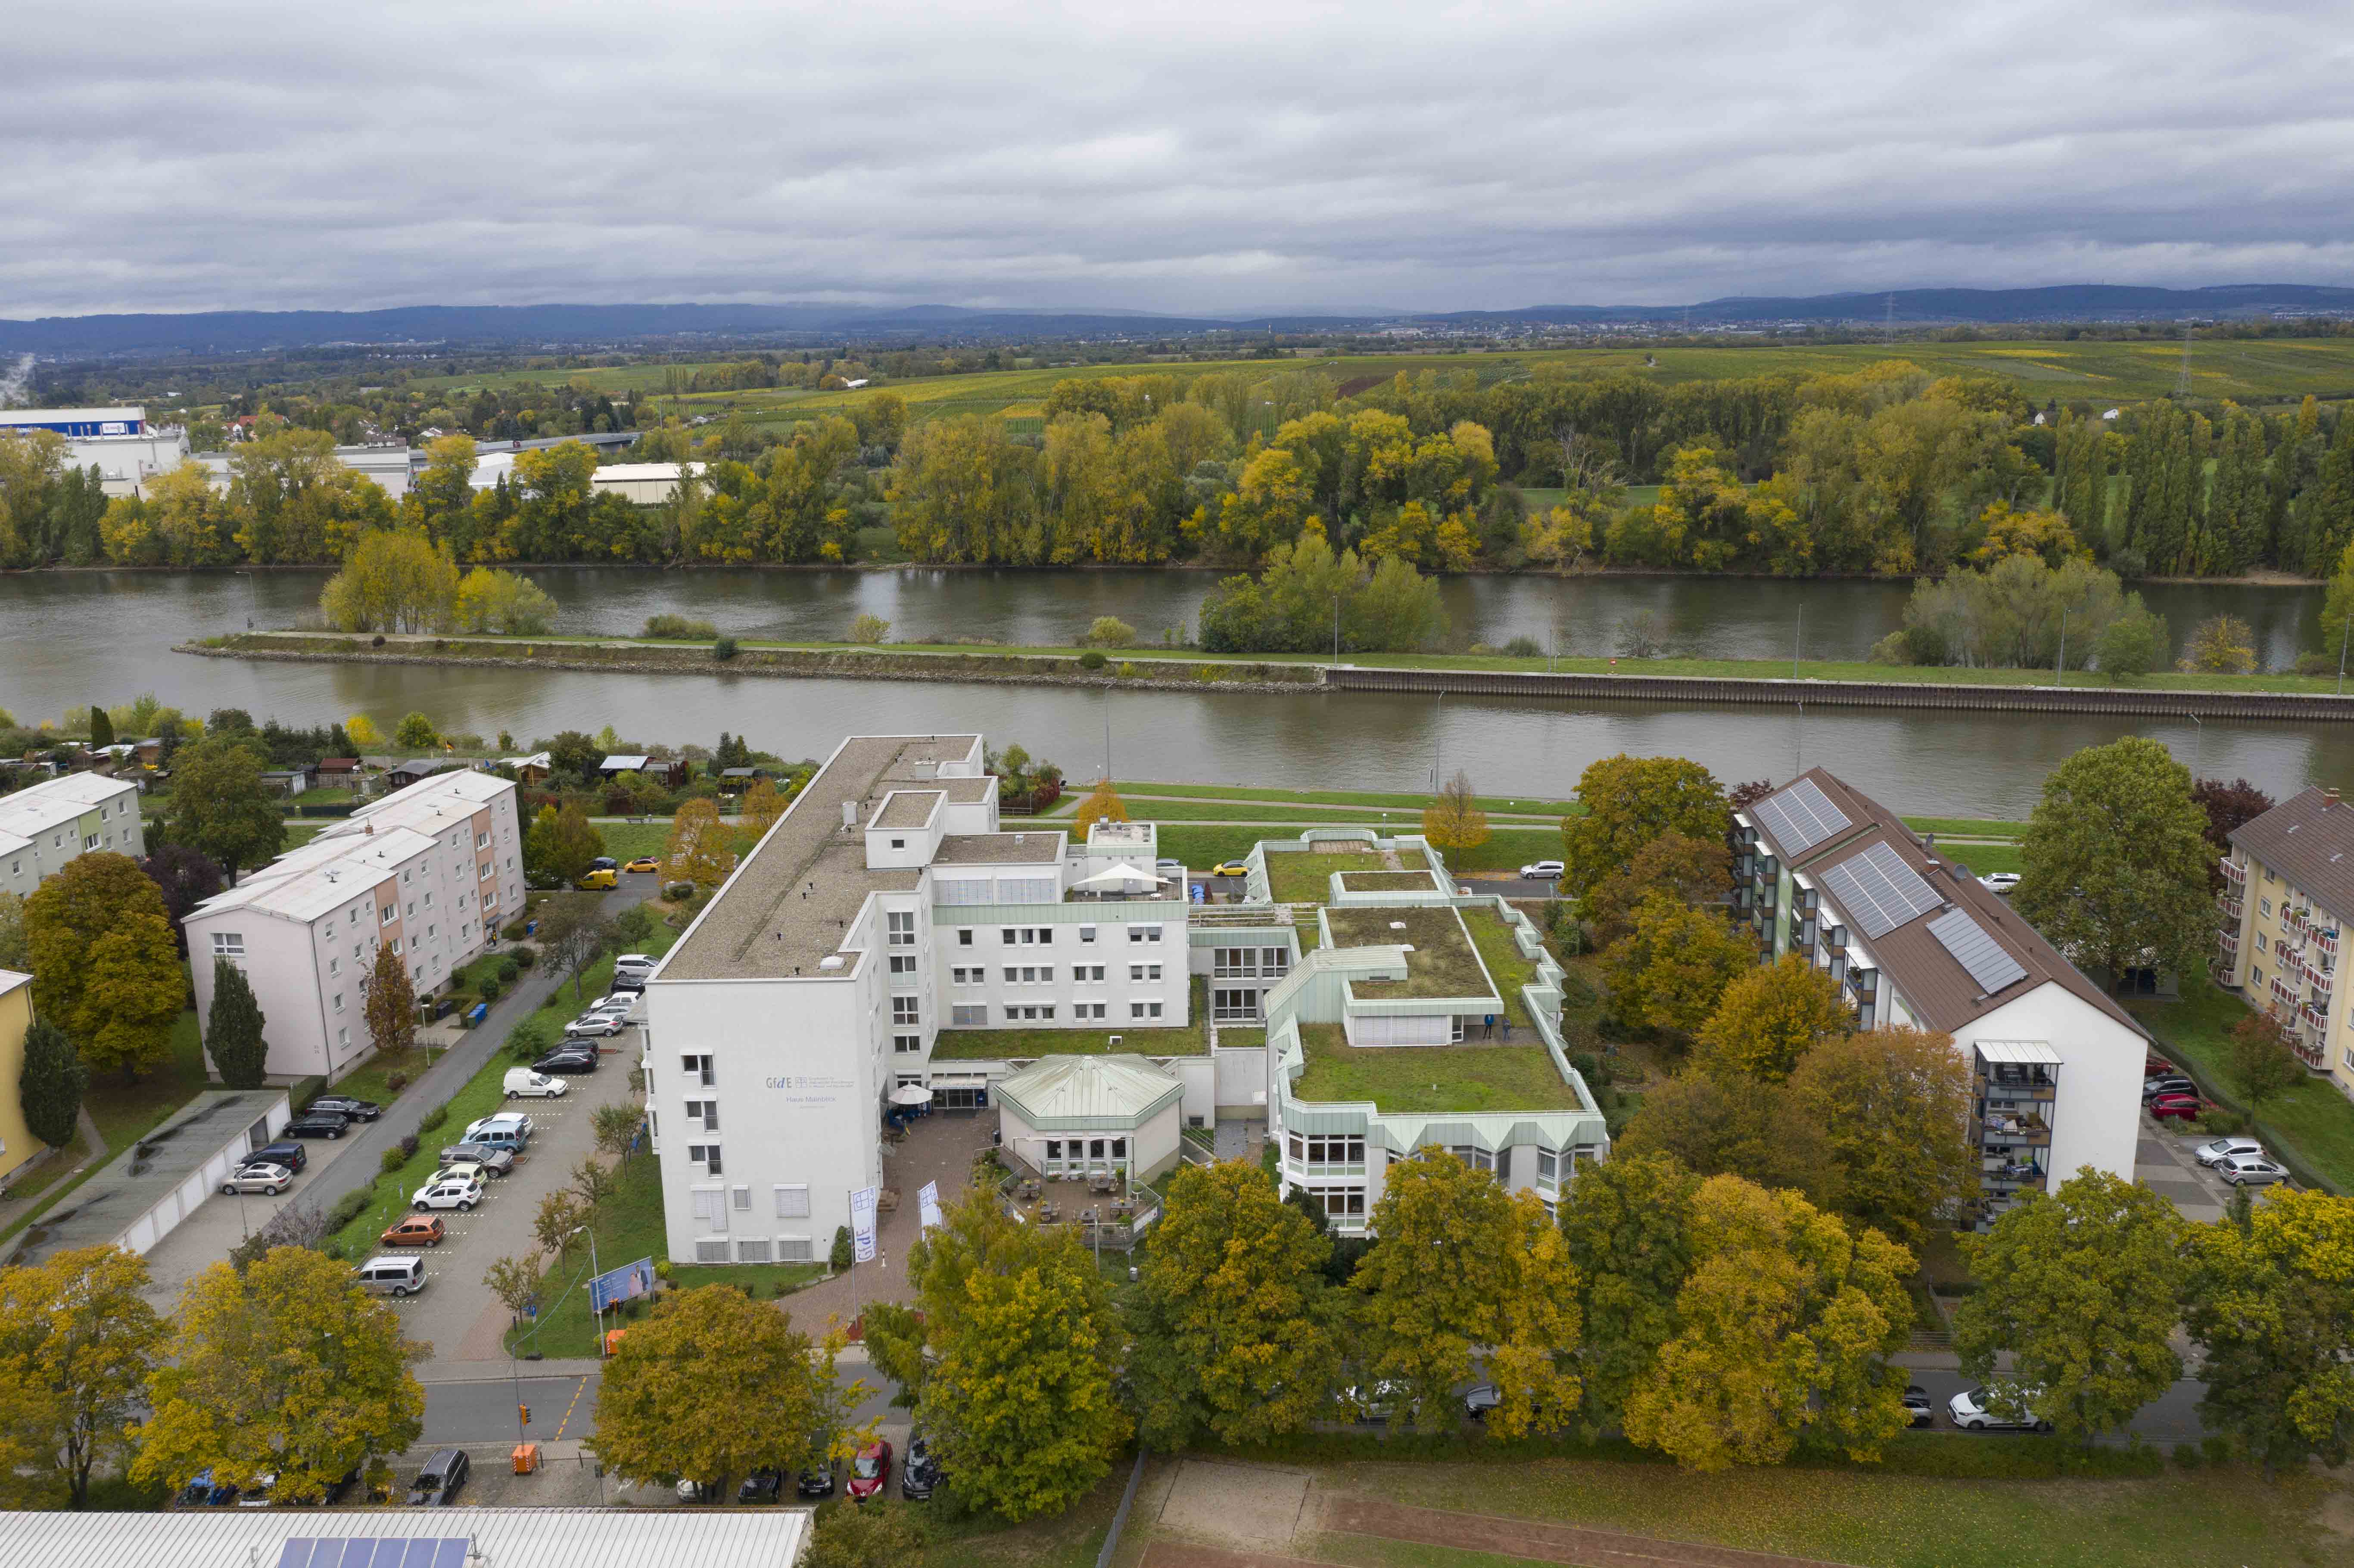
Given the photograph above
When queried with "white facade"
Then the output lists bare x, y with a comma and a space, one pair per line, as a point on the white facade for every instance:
884, 905
433, 869
43, 825
647, 483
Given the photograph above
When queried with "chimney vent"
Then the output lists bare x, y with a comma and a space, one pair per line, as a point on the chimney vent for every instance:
2330, 795
849, 814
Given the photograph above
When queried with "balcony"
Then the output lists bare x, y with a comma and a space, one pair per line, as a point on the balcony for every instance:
2325, 944
2307, 1044
2320, 978
2235, 873
2233, 907
2230, 942
2284, 995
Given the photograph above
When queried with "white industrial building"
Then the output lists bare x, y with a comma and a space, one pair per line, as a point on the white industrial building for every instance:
432, 869
1915, 941
647, 483
388, 464
125, 450
43, 825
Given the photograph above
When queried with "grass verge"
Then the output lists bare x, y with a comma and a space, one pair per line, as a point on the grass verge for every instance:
372, 1079
627, 840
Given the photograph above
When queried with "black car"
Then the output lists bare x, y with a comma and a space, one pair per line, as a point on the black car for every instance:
345, 1106
1917, 1406
440, 1482
316, 1124
2167, 1084
567, 1062
819, 1480
922, 1472
604, 863
761, 1486
285, 1152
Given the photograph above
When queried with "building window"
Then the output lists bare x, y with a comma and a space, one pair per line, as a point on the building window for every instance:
1144, 971
1476, 1158
792, 1201
1237, 1005
901, 925
1007, 935
906, 1009
751, 1252
1548, 1167
1455, 1029
793, 1249
1087, 1010
903, 963
967, 1017
964, 935
343, 1037
963, 976
2260, 943
1334, 1150
710, 1206
1086, 933
710, 1251
742, 1197
1341, 1202
1088, 973
1031, 1012
2265, 906
229, 944
905, 1043
705, 1155
1144, 933
705, 1111
339, 1001
697, 1069
391, 913
1144, 1010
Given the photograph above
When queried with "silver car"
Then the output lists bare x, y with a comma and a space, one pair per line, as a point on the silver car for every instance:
2224, 1148
2250, 1171
269, 1179
497, 1161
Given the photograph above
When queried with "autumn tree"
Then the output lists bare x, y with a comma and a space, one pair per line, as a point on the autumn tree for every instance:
1671, 971
594, 1181
2271, 1304
1729, 1124
233, 1029
393, 580
390, 1005
763, 804
1783, 1330
77, 1342
697, 851
415, 732
715, 1385
2228, 807
2081, 1289
2116, 862
864, 1538
2264, 1064
615, 1127
186, 879
1236, 1329
291, 1369
1630, 801
221, 806
15, 953
104, 967
2219, 645
559, 1214
1770, 1018
570, 845
364, 733
515, 1282
492, 599
573, 935
51, 1083
1023, 1342
1463, 1266
1627, 1223
1691, 870
1103, 804
1892, 1110
1454, 821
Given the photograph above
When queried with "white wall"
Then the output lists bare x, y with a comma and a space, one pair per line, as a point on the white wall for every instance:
2096, 1120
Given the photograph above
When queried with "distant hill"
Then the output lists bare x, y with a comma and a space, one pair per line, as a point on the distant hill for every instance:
219, 331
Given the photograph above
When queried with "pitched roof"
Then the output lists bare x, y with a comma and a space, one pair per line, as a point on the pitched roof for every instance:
1927, 968
2308, 838
1089, 1091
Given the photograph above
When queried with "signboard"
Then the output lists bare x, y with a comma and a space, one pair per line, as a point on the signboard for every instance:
626, 1283
861, 1222
927, 1204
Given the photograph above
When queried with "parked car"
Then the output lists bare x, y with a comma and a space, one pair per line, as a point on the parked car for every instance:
1479, 1399
642, 963
522, 1082
203, 1491
632, 984
2155, 1067
919, 1473
1917, 1406
2250, 1171
497, 1161
270, 1179
448, 1194
596, 1025
1375, 1402
2167, 1084
602, 880
345, 1106
1996, 1410
2228, 1148
2179, 1107
285, 1152
316, 1124
1999, 880
417, 1230
257, 1495
869, 1471
472, 1171
696, 1492
818, 1480
391, 1276
514, 1121
562, 1061
603, 863
443, 1479
763, 1486
1542, 871
1230, 868
643, 863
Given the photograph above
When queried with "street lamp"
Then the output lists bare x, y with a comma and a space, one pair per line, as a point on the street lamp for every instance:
582, 1230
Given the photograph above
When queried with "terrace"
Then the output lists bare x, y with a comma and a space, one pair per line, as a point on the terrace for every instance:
1306, 876
1443, 962
1424, 1080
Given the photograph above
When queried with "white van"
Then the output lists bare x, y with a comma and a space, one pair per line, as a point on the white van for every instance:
522, 1081
391, 1276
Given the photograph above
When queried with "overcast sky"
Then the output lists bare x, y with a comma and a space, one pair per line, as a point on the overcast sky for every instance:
1175, 156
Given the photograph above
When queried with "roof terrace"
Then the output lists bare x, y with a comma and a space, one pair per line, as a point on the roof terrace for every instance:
1442, 962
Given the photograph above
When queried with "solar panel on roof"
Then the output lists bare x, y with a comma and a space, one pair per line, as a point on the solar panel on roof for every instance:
373, 1551
1959, 933
1800, 817
1879, 890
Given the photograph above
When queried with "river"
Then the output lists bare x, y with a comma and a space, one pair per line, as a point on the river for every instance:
76, 638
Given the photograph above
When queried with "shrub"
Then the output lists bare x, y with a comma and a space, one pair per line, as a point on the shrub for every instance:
508, 970
1208, 671
347, 1209
407, 1146
724, 649
1093, 659
1109, 631
1524, 648
678, 626
530, 1038
1127, 671
395, 1082
305, 1091
489, 988
869, 628
783, 1287
2187, 1454
434, 1119
393, 1159
662, 1270
839, 1258
513, 931
2311, 664
525, 956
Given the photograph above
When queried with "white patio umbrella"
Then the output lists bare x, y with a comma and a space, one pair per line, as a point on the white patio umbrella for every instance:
911, 1095
1122, 878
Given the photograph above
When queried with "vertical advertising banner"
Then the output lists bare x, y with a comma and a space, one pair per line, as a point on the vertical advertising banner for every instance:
861, 1222
927, 1204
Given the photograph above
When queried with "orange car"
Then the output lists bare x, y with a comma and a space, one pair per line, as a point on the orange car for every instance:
417, 1230
643, 863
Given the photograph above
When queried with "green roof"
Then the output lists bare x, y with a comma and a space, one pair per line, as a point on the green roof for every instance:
1442, 964
1430, 1079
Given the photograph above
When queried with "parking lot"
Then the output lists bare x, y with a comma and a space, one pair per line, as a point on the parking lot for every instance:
221, 1223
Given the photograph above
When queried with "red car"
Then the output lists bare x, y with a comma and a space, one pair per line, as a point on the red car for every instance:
2155, 1067
2179, 1107
869, 1471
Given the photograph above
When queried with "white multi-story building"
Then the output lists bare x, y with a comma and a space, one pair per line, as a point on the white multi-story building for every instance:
126, 451
43, 825
1914, 941
883, 926
432, 869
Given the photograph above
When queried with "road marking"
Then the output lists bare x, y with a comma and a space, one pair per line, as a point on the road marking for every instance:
568, 1409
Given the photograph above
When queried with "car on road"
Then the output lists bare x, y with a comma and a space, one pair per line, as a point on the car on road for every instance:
869, 1471
818, 1480
522, 1082
565, 1061
498, 1162
285, 1152
596, 1025
1542, 870
344, 1106
696, 1492
2226, 1148
1996, 1410
643, 863
448, 1194
920, 1474
2178, 1107
316, 1124
1917, 1406
203, 1491
1230, 868
417, 1230
271, 1180
602, 880
2250, 1171
2167, 1084
762, 1485
1999, 881
443, 1479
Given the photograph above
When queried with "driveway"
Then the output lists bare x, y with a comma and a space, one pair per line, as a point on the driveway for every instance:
2163, 1163
222, 1222
939, 1147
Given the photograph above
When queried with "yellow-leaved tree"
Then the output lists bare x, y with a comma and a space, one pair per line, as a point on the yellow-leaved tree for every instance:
1672, 966
1770, 1017
697, 851
1103, 804
77, 1342
1454, 821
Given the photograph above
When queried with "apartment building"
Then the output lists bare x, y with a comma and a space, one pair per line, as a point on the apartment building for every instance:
2288, 885
432, 869
1914, 941
887, 934
43, 825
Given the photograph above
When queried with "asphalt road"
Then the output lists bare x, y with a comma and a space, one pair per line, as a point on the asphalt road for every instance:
565, 1407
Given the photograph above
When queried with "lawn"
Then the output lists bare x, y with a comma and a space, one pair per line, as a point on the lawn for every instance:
1874, 1519
1502, 954
1430, 1079
1443, 962
371, 1080
1506, 850
1340, 797
1385, 882
627, 840
1306, 878
1071, 1539
2312, 1124
300, 833
629, 1227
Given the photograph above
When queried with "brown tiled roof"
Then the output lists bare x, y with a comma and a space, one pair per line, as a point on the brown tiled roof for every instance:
2308, 838
1932, 981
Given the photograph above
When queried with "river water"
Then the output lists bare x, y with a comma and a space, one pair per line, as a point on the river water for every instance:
72, 639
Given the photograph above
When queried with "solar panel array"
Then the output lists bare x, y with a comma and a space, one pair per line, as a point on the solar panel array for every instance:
1975, 951
1879, 891
374, 1551
1800, 817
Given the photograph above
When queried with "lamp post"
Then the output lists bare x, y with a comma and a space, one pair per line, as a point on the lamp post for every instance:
584, 1229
